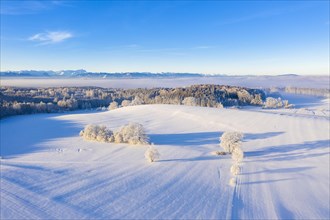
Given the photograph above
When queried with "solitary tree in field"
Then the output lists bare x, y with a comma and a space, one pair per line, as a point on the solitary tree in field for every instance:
151, 154
230, 140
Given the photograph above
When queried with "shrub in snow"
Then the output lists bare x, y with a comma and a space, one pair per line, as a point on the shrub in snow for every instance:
113, 105
232, 181
218, 153
191, 101
237, 155
219, 105
235, 169
151, 154
230, 140
133, 133
97, 133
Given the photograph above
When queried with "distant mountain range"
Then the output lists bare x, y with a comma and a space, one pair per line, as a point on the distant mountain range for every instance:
84, 73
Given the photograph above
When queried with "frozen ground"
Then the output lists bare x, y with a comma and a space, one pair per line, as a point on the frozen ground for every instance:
247, 81
49, 172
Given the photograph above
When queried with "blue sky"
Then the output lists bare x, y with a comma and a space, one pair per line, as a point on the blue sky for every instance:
222, 37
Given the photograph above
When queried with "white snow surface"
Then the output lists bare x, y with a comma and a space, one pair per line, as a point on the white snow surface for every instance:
49, 172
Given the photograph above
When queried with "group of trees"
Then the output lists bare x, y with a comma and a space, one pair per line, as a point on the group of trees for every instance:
15, 101
132, 133
319, 92
97, 133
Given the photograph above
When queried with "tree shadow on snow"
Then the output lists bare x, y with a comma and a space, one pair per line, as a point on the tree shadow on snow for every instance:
202, 138
266, 181
250, 137
290, 152
26, 134
281, 170
201, 158
302, 101
199, 139
186, 139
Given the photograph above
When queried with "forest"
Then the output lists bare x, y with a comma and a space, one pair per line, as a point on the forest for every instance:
18, 101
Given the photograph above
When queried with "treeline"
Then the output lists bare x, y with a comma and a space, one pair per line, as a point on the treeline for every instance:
319, 92
17, 101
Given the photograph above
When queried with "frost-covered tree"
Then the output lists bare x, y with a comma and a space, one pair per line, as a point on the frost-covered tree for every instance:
257, 100
97, 133
68, 103
244, 96
235, 169
237, 155
231, 140
113, 105
152, 154
276, 103
133, 133
273, 103
41, 107
125, 103
191, 101
17, 106
137, 101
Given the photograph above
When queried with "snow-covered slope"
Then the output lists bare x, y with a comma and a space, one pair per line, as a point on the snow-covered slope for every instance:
48, 171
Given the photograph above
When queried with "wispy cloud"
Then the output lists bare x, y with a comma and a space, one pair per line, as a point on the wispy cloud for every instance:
28, 7
51, 37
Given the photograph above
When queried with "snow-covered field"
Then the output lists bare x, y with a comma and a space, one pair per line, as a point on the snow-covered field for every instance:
49, 172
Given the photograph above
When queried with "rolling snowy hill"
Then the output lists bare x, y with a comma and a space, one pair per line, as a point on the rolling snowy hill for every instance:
48, 171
